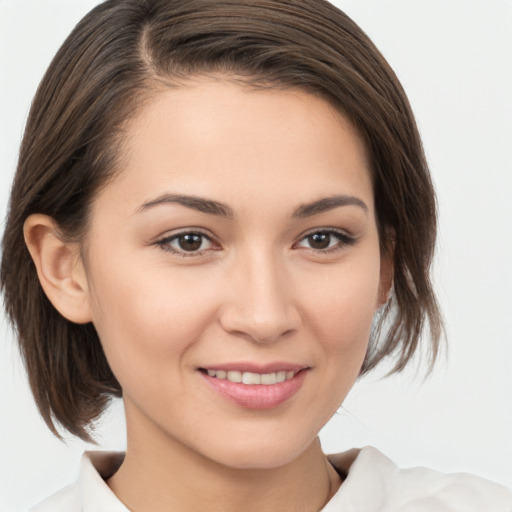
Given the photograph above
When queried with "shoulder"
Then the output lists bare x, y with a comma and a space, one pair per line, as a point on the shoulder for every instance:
375, 483
90, 493
66, 500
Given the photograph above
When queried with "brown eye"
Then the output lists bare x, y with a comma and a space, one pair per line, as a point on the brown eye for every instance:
326, 240
319, 240
190, 242
187, 243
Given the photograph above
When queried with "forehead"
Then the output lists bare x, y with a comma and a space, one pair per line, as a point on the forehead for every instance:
223, 140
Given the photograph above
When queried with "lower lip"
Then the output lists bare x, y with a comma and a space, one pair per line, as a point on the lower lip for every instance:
257, 396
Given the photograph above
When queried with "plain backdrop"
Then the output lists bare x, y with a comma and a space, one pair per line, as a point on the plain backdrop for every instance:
454, 59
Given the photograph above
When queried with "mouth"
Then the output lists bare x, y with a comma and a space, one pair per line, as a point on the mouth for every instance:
253, 387
251, 378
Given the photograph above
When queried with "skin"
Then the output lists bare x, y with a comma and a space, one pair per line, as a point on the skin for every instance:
257, 290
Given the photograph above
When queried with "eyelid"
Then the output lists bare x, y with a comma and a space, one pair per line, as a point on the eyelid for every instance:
345, 239
164, 241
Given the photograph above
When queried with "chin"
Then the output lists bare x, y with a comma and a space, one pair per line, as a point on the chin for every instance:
267, 454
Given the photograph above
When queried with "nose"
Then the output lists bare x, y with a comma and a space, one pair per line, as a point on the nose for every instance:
261, 304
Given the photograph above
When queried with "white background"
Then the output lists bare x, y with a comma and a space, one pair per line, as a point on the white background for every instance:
454, 59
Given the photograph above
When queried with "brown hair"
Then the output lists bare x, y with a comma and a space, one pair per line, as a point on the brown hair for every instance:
114, 59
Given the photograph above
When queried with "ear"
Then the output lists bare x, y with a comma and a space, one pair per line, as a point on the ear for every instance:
387, 268
59, 268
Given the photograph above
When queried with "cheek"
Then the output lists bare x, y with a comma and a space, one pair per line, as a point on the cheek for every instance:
342, 306
339, 314
147, 319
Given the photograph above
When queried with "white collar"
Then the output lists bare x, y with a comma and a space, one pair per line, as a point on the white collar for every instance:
95, 494
373, 484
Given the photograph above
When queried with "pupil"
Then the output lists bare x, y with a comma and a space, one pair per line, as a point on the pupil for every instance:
319, 240
190, 242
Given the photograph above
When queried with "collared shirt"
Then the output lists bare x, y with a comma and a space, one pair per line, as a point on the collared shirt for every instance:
373, 484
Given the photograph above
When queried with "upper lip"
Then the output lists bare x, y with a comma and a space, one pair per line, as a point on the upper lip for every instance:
256, 368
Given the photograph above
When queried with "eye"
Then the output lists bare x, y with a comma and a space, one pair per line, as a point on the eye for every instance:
326, 240
187, 243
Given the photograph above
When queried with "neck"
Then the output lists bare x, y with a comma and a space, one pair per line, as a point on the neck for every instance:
160, 474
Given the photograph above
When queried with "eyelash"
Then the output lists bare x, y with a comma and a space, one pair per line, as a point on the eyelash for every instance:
344, 240
165, 242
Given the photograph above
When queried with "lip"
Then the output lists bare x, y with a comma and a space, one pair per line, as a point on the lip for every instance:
257, 368
256, 396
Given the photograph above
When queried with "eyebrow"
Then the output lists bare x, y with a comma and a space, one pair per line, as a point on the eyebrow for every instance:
195, 203
215, 208
326, 204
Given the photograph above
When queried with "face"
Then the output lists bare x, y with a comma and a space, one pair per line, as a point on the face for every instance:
239, 243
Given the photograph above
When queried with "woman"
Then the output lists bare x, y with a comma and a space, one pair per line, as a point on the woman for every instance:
230, 218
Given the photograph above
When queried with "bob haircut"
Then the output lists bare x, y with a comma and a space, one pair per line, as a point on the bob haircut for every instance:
115, 60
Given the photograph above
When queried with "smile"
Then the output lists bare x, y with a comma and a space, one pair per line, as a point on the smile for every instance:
250, 378
252, 387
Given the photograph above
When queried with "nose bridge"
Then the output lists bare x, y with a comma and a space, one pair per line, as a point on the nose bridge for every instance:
261, 305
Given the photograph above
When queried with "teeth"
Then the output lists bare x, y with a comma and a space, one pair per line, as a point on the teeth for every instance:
234, 376
250, 378
269, 378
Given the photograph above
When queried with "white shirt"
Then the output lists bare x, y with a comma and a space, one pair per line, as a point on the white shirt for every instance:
373, 484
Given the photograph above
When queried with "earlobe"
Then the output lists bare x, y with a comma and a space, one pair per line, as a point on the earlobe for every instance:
59, 268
